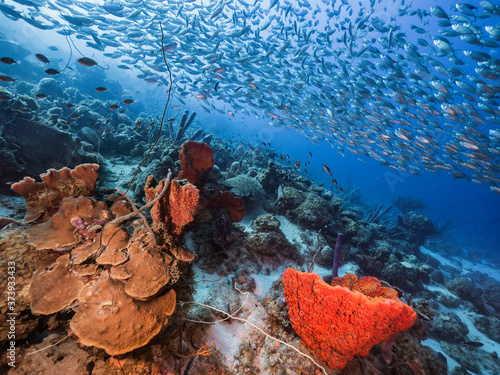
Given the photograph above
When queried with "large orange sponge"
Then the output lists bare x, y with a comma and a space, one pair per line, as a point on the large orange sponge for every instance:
345, 319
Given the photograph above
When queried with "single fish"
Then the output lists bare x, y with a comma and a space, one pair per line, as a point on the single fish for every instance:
42, 58
6, 79
8, 60
85, 61
52, 72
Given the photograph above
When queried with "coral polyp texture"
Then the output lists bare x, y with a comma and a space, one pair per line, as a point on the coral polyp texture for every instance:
345, 319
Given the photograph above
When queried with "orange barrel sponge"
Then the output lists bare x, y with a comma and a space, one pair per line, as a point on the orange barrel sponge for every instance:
183, 201
345, 319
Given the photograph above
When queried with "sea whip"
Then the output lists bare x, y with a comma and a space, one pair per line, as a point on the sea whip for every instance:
336, 255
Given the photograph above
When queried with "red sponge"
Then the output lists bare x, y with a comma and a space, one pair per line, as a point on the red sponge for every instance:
345, 319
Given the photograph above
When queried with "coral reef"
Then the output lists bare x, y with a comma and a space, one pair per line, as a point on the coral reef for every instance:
245, 186
111, 280
268, 242
88, 265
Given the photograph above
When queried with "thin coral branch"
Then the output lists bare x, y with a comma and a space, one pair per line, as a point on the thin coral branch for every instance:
137, 212
167, 184
205, 351
140, 214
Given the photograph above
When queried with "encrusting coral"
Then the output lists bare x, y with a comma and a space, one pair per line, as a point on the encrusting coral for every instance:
43, 198
60, 230
345, 319
110, 319
55, 288
131, 266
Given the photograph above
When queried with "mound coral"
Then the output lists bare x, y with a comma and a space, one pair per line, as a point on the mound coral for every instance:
113, 274
345, 319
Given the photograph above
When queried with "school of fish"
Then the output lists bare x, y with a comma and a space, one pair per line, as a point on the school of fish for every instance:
414, 88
